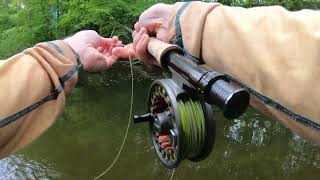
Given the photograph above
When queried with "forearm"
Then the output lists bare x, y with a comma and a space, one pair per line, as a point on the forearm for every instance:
271, 50
28, 78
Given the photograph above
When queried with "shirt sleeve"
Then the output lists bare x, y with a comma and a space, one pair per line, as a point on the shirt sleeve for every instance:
34, 85
271, 50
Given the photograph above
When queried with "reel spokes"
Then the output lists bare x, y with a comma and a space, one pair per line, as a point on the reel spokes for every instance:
179, 124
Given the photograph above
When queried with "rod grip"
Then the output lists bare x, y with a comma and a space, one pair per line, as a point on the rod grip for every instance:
158, 49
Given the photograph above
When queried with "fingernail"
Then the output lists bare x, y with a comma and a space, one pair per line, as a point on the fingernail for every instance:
115, 38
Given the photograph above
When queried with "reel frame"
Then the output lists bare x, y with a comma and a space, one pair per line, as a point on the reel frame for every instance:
175, 90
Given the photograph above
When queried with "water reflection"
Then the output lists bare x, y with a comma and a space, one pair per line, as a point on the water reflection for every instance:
22, 168
253, 128
262, 139
298, 156
235, 130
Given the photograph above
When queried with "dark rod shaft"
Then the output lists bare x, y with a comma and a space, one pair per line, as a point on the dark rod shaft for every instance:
186, 67
233, 101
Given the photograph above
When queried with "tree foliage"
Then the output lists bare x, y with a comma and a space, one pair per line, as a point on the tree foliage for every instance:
26, 22
289, 4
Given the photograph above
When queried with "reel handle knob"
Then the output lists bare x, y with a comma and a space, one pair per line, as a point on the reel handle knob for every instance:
143, 118
233, 101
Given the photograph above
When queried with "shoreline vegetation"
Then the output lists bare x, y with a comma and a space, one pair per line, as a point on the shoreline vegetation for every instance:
24, 23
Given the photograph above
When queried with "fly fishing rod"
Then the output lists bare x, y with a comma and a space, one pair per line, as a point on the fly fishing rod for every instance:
179, 113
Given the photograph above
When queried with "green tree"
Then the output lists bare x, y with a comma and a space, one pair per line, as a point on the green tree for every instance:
26, 22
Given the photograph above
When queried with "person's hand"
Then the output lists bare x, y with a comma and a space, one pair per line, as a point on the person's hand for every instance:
154, 22
95, 51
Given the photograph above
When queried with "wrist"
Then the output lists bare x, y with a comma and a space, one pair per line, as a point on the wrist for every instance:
64, 63
78, 65
189, 35
172, 22
75, 51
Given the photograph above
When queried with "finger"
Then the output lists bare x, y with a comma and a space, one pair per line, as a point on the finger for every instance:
134, 33
119, 43
120, 52
100, 49
111, 60
142, 51
103, 62
106, 42
106, 50
115, 39
137, 27
138, 37
111, 41
141, 48
126, 52
152, 25
109, 44
144, 30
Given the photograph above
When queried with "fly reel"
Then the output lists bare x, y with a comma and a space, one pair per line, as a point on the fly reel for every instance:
181, 119
182, 125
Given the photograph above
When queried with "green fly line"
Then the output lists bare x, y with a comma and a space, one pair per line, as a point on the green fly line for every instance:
129, 119
193, 125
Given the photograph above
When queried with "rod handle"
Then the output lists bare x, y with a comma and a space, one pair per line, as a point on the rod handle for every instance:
158, 49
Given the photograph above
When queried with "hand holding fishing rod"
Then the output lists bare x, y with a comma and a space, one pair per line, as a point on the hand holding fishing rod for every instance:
179, 109
214, 86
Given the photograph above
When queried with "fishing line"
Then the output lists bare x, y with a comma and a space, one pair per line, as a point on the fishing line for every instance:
128, 126
193, 124
129, 30
173, 171
112, 31
130, 113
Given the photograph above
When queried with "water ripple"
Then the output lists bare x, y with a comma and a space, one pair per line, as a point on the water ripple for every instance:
19, 167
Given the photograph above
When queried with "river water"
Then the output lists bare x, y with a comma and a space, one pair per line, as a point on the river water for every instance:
85, 140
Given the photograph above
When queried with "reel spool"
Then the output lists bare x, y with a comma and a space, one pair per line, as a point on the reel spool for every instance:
182, 124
